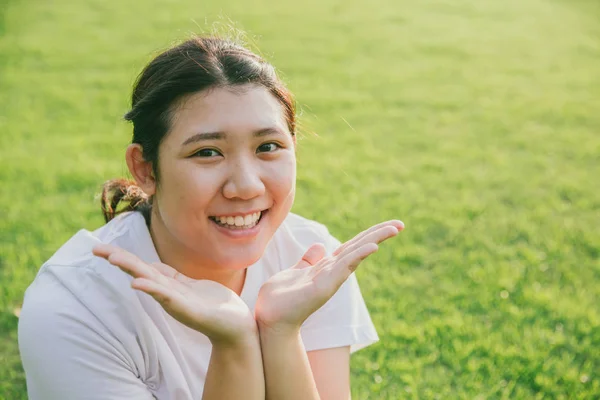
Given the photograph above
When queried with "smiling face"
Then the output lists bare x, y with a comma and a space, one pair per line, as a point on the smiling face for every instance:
227, 173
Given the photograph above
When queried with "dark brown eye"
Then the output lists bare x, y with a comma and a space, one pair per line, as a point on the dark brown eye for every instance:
205, 153
267, 147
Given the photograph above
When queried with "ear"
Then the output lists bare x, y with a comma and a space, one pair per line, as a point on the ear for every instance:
140, 169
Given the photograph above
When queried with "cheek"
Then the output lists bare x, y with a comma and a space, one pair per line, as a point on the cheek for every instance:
186, 189
281, 181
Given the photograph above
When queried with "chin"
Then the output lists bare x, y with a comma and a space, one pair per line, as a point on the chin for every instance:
240, 262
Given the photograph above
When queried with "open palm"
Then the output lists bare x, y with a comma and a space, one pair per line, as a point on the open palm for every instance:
203, 305
288, 298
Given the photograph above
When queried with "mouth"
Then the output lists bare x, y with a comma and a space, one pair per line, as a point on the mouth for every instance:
239, 222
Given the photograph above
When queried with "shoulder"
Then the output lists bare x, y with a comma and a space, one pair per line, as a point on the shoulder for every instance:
75, 259
75, 285
90, 316
126, 230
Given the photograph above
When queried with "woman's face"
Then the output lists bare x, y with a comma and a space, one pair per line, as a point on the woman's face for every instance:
227, 171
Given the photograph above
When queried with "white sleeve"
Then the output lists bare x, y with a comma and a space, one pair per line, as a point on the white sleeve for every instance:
67, 353
343, 321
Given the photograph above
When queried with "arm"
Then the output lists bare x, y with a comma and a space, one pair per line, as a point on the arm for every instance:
287, 369
292, 373
235, 371
331, 370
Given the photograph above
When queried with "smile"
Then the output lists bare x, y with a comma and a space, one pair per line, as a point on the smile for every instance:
238, 222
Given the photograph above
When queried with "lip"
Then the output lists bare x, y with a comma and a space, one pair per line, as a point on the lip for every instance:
241, 233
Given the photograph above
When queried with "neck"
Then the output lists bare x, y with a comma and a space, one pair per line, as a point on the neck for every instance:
181, 258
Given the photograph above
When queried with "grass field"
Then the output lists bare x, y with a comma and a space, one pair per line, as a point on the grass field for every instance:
475, 122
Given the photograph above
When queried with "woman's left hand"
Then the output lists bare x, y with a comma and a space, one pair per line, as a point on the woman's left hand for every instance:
289, 297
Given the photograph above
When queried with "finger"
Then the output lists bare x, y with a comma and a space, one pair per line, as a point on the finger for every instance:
122, 259
171, 272
105, 250
396, 223
350, 262
375, 237
165, 269
174, 302
135, 267
160, 293
313, 255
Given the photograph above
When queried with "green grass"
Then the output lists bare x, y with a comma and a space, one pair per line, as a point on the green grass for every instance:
475, 122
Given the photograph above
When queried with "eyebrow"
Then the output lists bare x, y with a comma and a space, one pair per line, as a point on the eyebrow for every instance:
203, 136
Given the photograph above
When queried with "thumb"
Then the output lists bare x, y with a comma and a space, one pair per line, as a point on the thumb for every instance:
313, 255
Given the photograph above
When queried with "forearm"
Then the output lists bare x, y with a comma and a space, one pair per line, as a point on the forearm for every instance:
287, 372
235, 371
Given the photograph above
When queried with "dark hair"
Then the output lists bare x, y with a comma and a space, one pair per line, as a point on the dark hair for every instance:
195, 65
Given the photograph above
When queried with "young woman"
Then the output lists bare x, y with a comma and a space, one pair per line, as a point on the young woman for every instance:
220, 291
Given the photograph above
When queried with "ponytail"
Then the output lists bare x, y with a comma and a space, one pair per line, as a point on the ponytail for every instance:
123, 191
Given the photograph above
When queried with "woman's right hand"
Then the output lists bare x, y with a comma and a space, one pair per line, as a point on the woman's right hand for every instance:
203, 305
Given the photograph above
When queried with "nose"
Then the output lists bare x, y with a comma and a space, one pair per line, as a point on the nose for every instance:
244, 182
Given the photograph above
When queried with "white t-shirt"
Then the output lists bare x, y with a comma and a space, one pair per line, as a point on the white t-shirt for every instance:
84, 333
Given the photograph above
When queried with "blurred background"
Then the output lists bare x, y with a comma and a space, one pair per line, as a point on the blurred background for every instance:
475, 122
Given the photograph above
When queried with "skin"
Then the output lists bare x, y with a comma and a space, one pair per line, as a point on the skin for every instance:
249, 166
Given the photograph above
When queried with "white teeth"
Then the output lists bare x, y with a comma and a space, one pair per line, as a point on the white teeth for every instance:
247, 221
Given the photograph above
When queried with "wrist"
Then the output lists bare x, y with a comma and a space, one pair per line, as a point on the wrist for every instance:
277, 329
244, 339
240, 353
